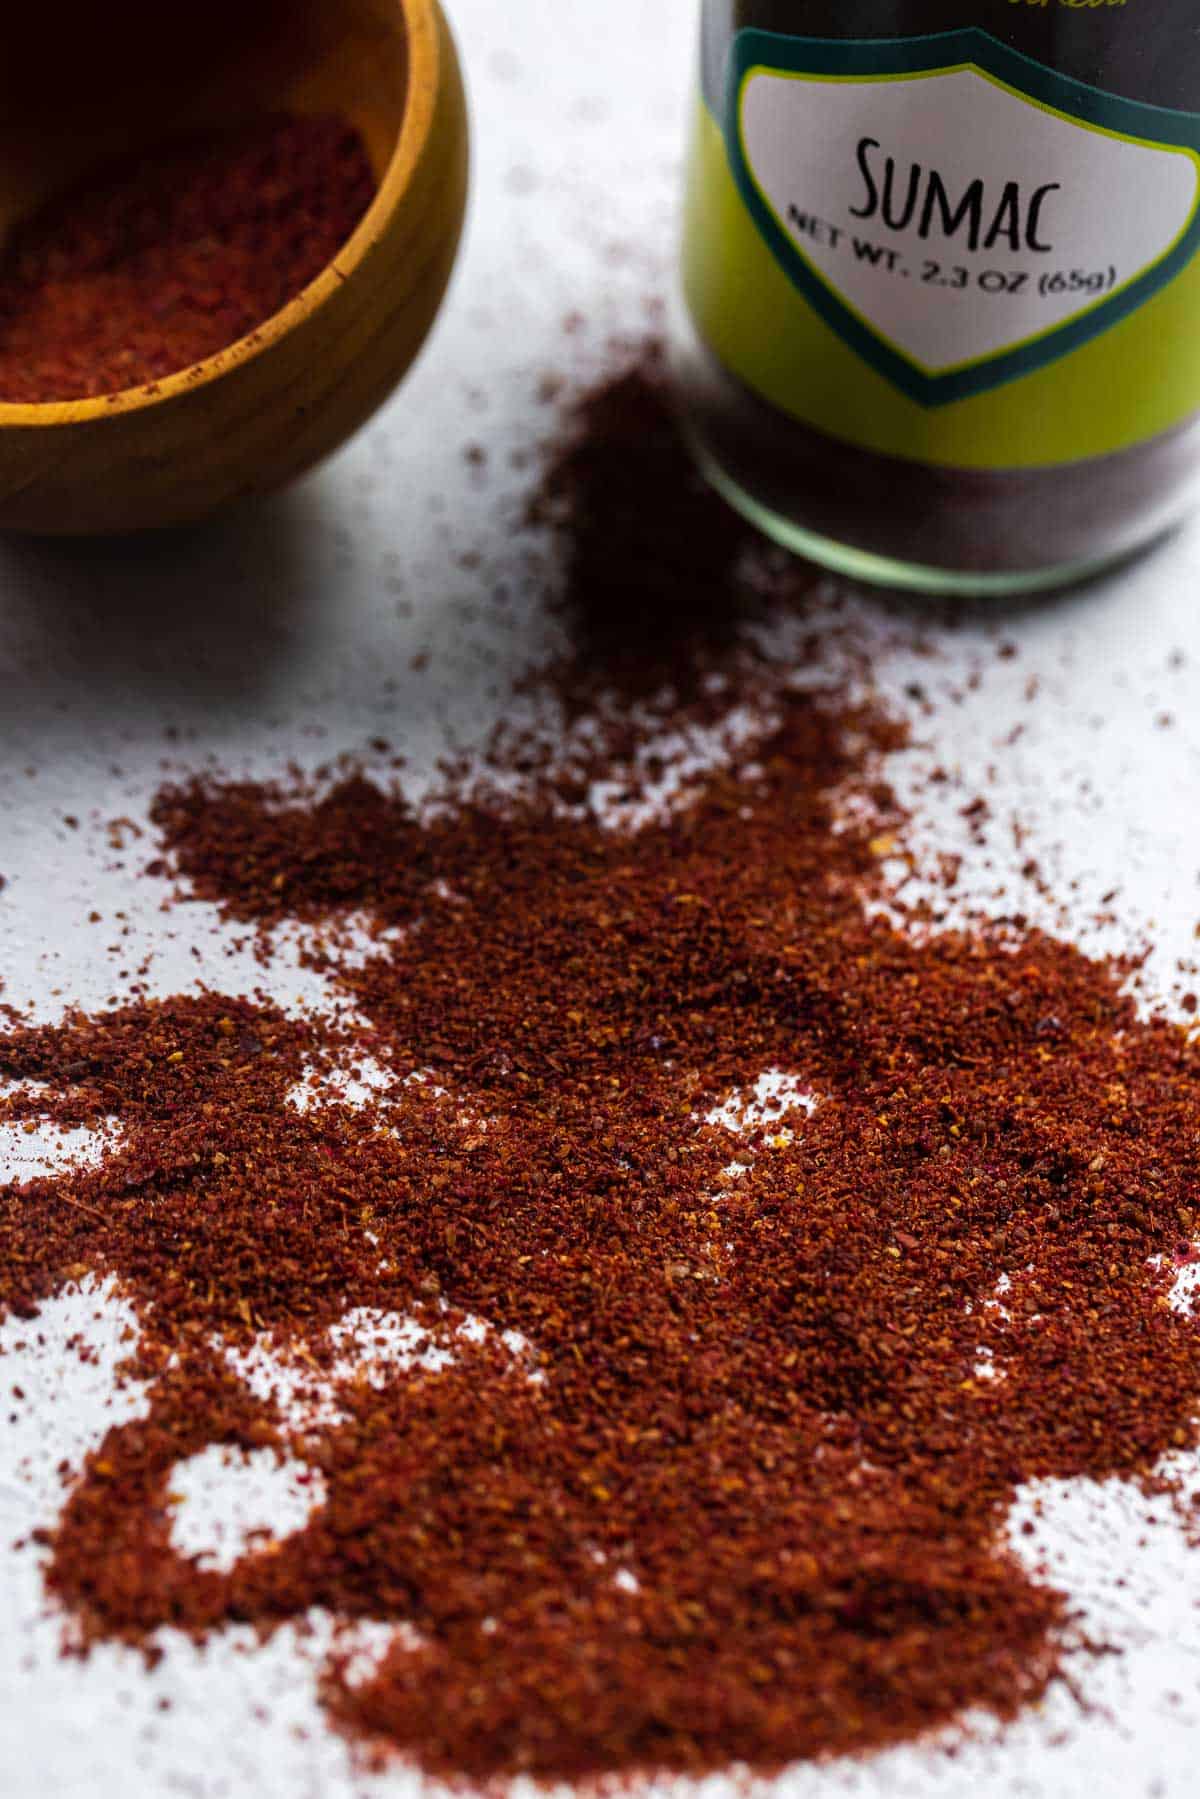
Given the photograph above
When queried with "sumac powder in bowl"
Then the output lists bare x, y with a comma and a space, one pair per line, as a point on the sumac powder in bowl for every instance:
941, 282
231, 258
161, 259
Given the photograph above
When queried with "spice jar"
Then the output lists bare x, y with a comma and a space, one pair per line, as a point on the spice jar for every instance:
940, 285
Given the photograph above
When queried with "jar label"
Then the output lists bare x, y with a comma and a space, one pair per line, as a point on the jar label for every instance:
963, 222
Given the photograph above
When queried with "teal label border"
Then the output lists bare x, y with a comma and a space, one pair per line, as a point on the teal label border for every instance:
1153, 125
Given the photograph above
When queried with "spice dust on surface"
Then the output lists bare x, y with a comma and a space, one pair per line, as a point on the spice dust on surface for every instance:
167, 257
716, 1466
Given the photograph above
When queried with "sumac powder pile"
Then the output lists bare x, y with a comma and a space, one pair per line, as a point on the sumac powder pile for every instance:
722, 1476
153, 263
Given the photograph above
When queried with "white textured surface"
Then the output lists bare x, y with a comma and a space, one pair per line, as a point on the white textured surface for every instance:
291, 634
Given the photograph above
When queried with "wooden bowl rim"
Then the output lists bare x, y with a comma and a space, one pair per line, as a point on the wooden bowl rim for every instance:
420, 21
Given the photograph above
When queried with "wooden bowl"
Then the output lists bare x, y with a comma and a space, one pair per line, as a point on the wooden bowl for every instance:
262, 411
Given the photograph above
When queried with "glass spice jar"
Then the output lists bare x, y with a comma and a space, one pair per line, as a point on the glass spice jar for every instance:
940, 319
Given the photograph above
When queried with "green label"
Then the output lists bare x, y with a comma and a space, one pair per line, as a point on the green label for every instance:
938, 248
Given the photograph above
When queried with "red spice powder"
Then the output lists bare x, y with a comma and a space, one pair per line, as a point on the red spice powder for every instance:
161, 260
650, 558
737, 1491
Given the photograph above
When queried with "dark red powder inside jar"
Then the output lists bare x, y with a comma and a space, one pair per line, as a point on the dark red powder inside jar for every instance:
161, 260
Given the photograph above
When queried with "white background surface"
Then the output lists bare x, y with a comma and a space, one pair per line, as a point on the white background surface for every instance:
291, 634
